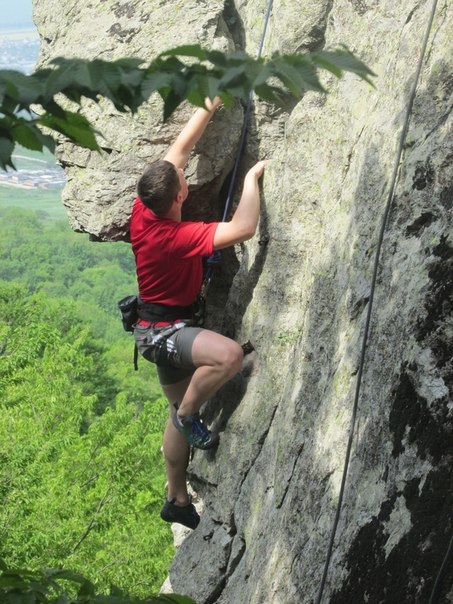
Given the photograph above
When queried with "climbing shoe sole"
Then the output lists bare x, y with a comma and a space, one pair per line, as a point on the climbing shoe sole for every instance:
186, 515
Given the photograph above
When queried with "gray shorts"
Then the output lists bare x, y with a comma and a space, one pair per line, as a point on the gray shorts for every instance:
170, 348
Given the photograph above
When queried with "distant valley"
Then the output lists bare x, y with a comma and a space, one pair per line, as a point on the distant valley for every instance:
19, 50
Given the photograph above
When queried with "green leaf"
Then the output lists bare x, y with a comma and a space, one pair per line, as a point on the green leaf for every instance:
296, 76
129, 63
172, 100
12, 580
341, 60
22, 598
170, 64
233, 77
61, 573
271, 94
28, 135
23, 89
217, 58
196, 97
187, 50
72, 74
174, 599
6, 151
75, 126
153, 82
104, 76
238, 57
259, 74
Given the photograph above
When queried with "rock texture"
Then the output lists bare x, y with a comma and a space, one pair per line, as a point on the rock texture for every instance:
270, 491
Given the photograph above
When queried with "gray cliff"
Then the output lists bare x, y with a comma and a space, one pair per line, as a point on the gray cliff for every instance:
300, 292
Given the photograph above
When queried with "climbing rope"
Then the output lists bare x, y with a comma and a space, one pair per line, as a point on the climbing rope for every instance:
371, 298
434, 598
215, 258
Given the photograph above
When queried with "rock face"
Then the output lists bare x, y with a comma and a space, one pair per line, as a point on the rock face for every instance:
305, 299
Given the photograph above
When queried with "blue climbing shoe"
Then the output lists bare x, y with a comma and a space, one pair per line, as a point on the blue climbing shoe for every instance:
195, 432
186, 515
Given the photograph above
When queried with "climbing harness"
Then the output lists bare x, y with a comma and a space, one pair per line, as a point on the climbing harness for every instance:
162, 321
370, 307
215, 259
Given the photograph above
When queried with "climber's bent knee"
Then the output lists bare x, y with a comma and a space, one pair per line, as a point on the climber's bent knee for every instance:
193, 347
179, 364
213, 349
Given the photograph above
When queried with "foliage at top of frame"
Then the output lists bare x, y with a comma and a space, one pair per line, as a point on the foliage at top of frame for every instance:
30, 112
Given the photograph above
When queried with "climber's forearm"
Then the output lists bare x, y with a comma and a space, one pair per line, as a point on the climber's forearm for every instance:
179, 152
244, 222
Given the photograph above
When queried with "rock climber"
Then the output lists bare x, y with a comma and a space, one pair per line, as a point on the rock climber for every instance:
192, 362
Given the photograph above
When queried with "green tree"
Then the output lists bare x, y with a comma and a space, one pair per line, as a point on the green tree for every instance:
56, 586
81, 472
128, 83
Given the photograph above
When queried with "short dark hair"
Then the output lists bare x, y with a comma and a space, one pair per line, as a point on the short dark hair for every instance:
158, 186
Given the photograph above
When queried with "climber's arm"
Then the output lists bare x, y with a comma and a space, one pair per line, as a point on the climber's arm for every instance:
245, 219
179, 152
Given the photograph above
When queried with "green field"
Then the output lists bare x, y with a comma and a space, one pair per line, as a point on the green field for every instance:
47, 202
25, 158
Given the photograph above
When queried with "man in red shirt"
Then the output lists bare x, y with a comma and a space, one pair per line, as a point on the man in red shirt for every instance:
192, 362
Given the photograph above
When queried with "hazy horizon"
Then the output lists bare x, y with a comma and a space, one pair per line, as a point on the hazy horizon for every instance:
16, 14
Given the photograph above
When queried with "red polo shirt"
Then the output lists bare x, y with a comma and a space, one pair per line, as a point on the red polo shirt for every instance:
168, 256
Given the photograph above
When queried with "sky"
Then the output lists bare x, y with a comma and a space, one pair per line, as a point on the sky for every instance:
16, 13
